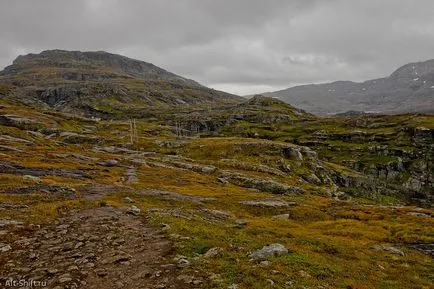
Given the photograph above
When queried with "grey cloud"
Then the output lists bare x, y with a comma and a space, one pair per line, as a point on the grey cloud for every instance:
239, 45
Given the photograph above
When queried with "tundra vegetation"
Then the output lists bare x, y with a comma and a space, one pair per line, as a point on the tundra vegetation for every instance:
237, 194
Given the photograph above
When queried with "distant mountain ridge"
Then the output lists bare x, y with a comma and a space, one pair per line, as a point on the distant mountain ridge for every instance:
100, 83
95, 60
410, 88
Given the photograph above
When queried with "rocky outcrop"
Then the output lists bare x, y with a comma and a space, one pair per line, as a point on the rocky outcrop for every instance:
20, 122
265, 185
267, 251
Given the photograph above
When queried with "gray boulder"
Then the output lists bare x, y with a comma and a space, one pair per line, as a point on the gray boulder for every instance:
269, 251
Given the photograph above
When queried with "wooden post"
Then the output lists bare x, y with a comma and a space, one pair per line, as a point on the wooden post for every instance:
131, 131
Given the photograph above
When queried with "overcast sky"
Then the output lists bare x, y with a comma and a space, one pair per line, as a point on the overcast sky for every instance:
241, 46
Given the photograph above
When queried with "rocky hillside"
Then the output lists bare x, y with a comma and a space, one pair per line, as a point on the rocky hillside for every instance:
100, 84
274, 198
408, 89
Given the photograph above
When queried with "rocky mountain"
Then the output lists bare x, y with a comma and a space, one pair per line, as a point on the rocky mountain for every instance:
100, 83
408, 89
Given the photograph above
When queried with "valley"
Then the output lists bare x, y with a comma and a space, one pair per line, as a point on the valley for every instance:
188, 187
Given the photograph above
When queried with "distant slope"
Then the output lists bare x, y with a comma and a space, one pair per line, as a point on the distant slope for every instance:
100, 83
408, 89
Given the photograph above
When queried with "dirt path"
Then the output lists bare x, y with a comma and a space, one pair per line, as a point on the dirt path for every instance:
97, 248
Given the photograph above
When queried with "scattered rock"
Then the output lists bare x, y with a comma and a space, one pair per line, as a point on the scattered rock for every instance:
268, 203
393, 250
20, 122
4, 223
10, 139
75, 138
281, 217
127, 200
77, 156
111, 163
182, 263
265, 263
269, 251
292, 153
33, 179
215, 214
213, 252
12, 206
223, 181
186, 278
426, 248
5, 248
167, 195
239, 223
131, 176
304, 274
10, 148
100, 272
133, 210
265, 185
418, 214
208, 169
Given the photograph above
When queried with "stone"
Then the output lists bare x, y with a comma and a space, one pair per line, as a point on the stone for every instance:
100, 272
4, 223
183, 263
292, 153
208, 169
127, 200
52, 271
269, 251
268, 203
185, 278
265, 185
313, 179
111, 163
20, 122
133, 210
393, 250
418, 214
5, 248
223, 181
213, 252
281, 217
265, 263
75, 138
32, 179
304, 274
215, 214
241, 223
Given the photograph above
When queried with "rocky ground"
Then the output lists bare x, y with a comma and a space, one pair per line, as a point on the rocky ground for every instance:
96, 248
259, 206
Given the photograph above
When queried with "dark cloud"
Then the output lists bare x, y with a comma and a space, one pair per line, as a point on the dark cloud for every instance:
243, 46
